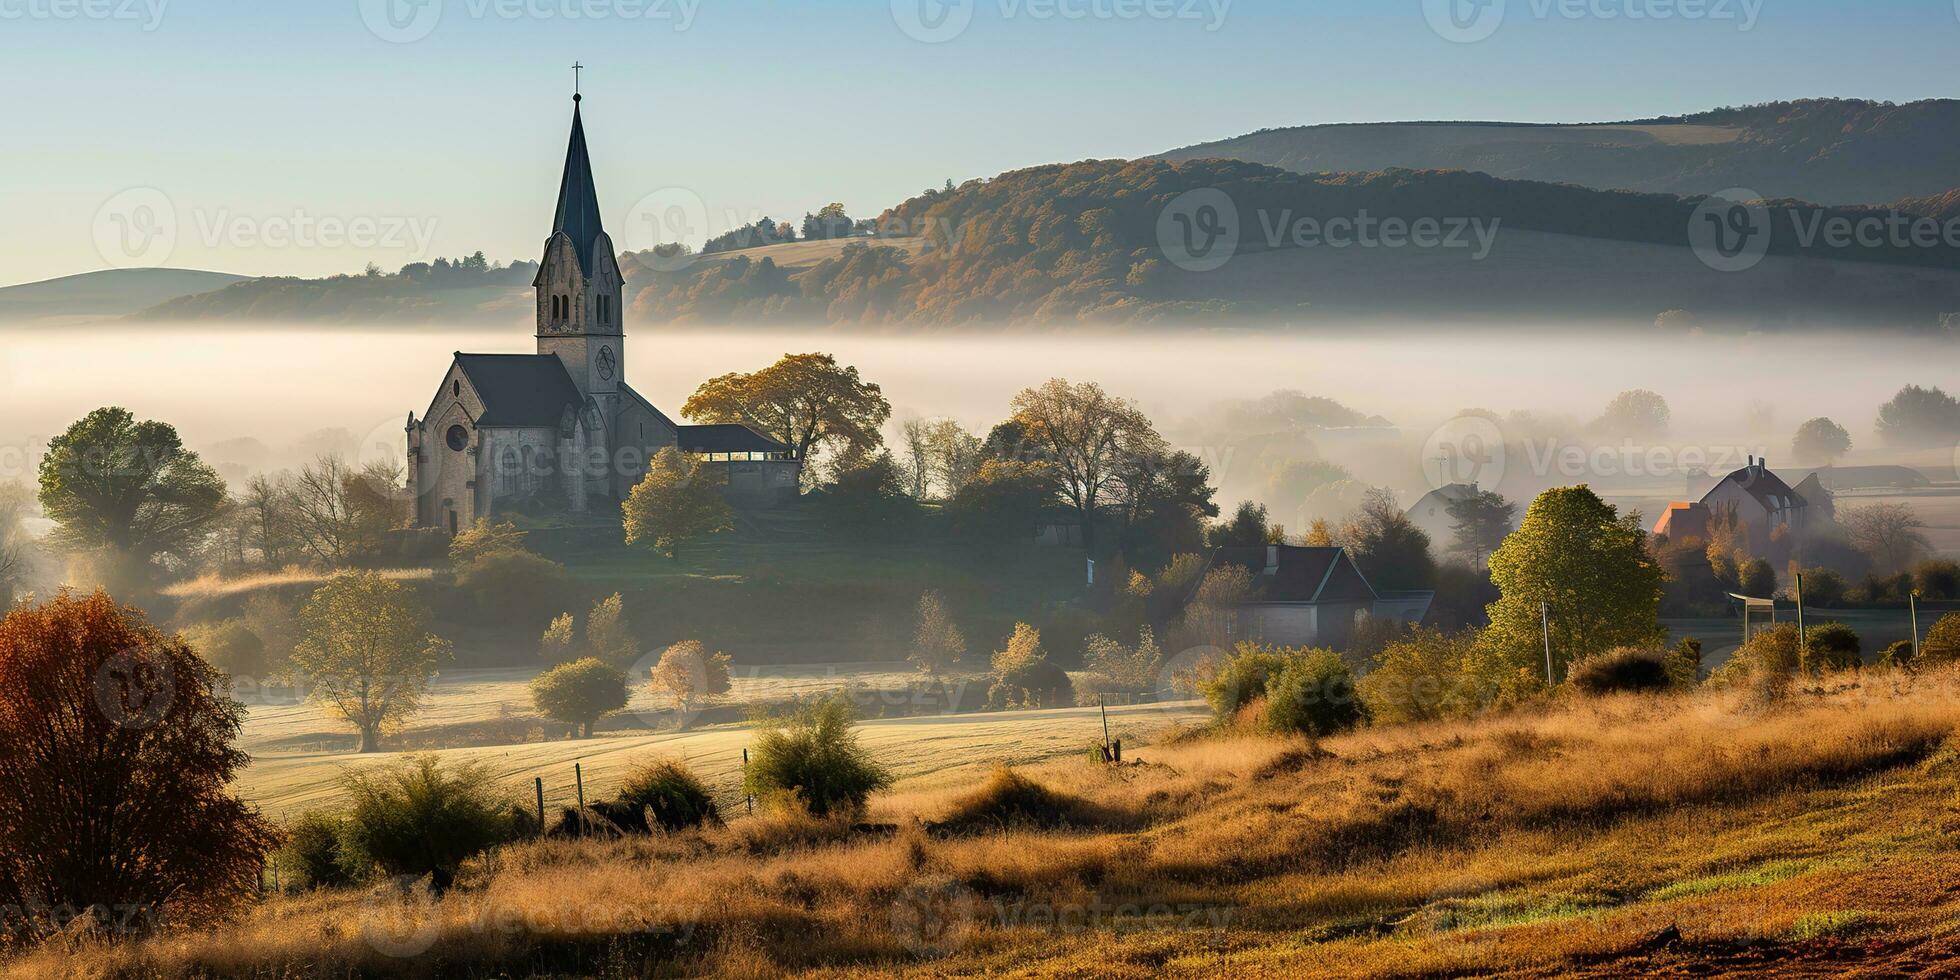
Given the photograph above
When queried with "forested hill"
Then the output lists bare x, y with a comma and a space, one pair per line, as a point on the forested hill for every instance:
1081, 243
1834, 151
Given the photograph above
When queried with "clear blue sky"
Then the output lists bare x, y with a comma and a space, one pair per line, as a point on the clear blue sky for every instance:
249, 113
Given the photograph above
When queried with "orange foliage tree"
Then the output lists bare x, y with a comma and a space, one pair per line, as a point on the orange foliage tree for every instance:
115, 752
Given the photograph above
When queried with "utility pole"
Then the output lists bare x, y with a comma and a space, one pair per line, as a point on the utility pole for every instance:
1545, 623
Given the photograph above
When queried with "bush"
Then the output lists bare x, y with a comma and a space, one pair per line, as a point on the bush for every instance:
1422, 678
1034, 684
579, 693
1009, 799
311, 857
1242, 677
1941, 644
1831, 646
1824, 588
1313, 695
416, 818
117, 758
669, 792
230, 646
1757, 578
1937, 578
1898, 655
1683, 663
515, 587
1618, 670
812, 759
1770, 654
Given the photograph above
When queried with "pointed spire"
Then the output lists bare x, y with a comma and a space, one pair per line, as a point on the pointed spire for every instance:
578, 200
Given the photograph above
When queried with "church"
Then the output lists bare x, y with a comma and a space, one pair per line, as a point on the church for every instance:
561, 430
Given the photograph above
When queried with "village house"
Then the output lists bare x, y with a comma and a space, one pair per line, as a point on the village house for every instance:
560, 429
1310, 597
1432, 513
1760, 499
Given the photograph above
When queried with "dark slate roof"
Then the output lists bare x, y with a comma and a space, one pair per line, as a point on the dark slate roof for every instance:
528, 390
727, 438
1303, 575
578, 200
1762, 484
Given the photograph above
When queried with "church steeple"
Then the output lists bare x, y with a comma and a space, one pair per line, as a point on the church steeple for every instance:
578, 201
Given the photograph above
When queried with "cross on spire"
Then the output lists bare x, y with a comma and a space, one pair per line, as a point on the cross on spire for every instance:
576, 68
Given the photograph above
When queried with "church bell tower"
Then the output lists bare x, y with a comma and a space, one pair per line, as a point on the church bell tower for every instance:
579, 284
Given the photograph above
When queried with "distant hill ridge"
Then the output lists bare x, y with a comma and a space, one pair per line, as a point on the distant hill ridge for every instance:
1832, 151
110, 292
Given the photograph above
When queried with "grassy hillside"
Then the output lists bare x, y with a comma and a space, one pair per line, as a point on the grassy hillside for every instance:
111, 292
1711, 834
1834, 151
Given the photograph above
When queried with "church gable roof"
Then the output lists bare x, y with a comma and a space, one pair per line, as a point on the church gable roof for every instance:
578, 200
520, 390
1766, 487
727, 437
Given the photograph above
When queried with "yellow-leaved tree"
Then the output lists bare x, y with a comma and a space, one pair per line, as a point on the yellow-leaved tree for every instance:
678, 501
368, 652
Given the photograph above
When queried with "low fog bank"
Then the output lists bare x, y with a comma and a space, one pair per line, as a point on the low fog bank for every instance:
1357, 406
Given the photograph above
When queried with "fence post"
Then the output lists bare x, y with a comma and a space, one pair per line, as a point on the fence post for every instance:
578, 777
1119, 750
538, 783
748, 798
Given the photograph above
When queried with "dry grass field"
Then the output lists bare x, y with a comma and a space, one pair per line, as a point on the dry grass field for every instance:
1715, 834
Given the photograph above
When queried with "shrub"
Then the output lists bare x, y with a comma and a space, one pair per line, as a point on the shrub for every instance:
230, 646
1241, 678
1313, 695
579, 693
1824, 588
483, 539
1421, 678
1897, 655
555, 646
1683, 663
1941, 644
1620, 669
1757, 578
689, 674
311, 857
1937, 578
671, 793
416, 817
514, 586
1009, 799
1831, 646
608, 635
1771, 653
1034, 684
812, 759
117, 759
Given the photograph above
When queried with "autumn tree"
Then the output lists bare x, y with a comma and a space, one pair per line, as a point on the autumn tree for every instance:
579, 693
1576, 554
1391, 551
1919, 417
1820, 441
937, 643
117, 753
689, 674
1636, 414
806, 401
678, 501
1130, 670
1088, 435
368, 653
339, 513
556, 644
1480, 523
16, 548
127, 493
608, 635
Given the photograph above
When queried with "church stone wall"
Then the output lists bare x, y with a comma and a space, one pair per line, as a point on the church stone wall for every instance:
445, 480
